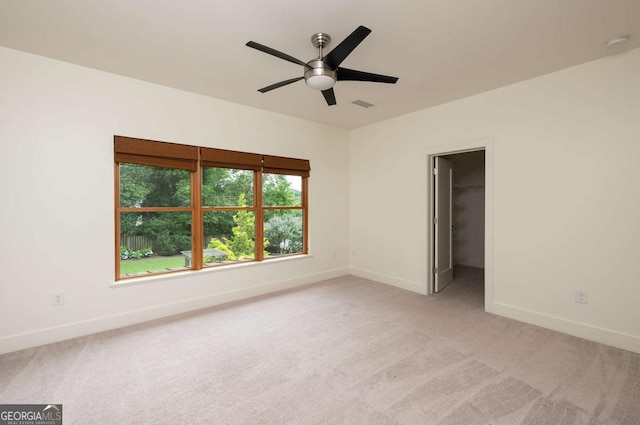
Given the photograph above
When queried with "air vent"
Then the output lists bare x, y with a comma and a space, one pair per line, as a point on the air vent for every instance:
362, 103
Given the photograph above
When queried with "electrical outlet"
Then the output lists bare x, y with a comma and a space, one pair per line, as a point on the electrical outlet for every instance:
581, 296
57, 298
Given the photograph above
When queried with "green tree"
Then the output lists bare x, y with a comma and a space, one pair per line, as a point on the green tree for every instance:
170, 188
277, 191
134, 184
134, 188
242, 242
244, 232
144, 186
223, 187
284, 232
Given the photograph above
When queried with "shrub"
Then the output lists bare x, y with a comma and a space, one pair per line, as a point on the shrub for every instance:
165, 246
216, 243
284, 234
181, 242
126, 253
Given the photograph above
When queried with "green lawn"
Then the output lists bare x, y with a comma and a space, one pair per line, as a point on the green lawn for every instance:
153, 264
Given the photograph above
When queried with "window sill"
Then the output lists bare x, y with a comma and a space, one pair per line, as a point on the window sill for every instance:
187, 273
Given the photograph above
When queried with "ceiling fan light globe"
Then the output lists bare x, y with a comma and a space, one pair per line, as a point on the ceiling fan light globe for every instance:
320, 82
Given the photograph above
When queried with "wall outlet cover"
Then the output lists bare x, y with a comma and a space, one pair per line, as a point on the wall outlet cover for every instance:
581, 296
57, 298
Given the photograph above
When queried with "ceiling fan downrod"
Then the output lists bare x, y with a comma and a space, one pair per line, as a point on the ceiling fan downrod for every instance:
320, 40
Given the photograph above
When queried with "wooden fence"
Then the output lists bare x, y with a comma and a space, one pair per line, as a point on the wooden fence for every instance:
135, 243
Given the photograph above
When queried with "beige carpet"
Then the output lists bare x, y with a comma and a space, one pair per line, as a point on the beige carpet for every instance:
344, 351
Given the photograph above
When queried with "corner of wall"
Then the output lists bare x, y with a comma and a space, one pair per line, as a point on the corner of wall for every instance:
389, 280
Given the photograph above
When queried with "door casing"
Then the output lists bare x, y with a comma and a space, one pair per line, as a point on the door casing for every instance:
469, 146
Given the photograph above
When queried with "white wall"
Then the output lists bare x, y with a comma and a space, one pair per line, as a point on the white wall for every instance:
468, 208
565, 149
57, 227
566, 202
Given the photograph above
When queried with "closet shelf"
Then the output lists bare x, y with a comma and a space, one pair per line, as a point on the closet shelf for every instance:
470, 186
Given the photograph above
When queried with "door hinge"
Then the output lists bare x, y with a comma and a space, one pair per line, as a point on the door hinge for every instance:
435, 270
435, 220
435, 171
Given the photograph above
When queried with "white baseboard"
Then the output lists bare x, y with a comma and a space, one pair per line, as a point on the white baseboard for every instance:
78, 329
471, 262
74, 330
581, 330
389, 280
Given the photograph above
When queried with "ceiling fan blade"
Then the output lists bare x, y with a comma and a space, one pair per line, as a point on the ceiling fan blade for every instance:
329, 96
275, 53
344, 74
342, 50
280, 84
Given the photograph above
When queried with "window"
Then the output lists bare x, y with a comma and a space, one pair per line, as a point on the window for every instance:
234, 206
284, 191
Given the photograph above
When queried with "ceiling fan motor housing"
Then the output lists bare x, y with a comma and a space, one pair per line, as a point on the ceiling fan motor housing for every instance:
319, 76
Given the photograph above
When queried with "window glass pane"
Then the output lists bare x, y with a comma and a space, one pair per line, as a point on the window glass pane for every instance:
283, 232
226, 187
154, 242
279, 190
144, 186
229, 236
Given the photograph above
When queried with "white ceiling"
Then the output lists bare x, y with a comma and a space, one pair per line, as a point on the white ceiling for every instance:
440, 49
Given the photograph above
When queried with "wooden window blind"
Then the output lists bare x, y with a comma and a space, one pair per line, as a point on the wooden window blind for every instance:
155, 154
282, 165
230, 159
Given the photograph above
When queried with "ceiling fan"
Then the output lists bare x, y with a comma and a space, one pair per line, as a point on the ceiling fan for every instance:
322, 72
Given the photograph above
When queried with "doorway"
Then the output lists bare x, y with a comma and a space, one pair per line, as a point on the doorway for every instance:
458, 205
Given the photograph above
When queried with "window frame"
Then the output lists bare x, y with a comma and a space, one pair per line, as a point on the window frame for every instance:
129, 150
257, 195
302, 207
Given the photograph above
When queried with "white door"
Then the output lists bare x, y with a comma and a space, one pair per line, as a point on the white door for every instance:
443, 250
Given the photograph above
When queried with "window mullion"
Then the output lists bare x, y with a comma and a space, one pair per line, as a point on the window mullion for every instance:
197, 219
155, 209
233, 208
267, 208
